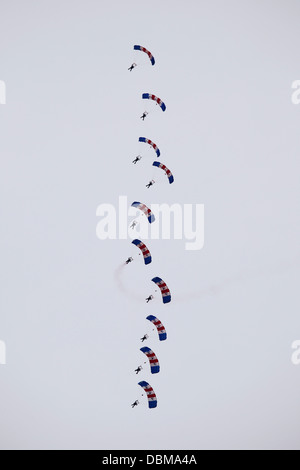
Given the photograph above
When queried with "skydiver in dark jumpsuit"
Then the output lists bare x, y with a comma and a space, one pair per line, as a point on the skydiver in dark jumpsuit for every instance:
136, 403
144, 115
144, 338
132, 67
129, 260
151, 183
138, 370
137, 159
149, 298
134, 224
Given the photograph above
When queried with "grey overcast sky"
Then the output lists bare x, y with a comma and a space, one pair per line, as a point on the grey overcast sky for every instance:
70, 317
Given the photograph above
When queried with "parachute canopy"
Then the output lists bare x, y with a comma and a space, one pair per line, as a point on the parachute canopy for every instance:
165, 291
144, 250
162, 334
148, 141
145, 210
167, 171
152, 400
154, 364
143, 49
149, 96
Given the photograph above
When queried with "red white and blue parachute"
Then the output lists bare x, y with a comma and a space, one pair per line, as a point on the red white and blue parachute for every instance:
152, 400
143, 49
149, 96
162, 334
154, 364
165, 291
148, 141
146, 253
166, 170
145, 210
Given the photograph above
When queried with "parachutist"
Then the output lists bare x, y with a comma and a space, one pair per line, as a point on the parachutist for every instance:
144, 115
136, 403
138, 370
144, 338
132, 67
129, 260
134, 224
145, 210
151, 183
137, 159
149, 298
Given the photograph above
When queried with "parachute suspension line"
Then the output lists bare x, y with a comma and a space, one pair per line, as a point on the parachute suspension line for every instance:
155, 175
